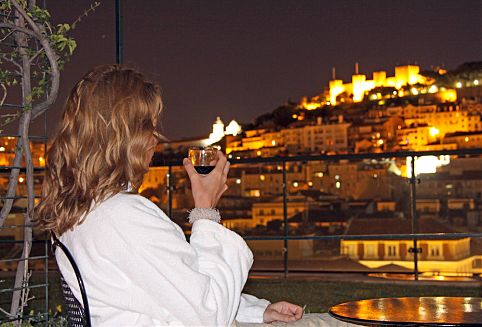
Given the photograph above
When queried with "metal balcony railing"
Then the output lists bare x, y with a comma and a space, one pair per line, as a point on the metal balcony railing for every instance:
287, 236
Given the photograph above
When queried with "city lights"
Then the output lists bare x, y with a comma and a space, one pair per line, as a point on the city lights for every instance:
426, 164
458, 85
434, 131
433, 89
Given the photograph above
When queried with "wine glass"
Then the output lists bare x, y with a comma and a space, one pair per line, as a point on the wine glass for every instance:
203, 158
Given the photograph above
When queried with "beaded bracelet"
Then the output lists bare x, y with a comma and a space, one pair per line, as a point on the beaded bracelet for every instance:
204, 213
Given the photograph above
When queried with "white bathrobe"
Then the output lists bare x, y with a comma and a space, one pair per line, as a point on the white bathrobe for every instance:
139, 270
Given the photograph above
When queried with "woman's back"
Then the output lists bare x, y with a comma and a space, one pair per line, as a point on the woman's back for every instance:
137, 266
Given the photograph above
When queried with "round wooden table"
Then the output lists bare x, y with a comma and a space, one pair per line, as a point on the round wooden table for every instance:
412, 311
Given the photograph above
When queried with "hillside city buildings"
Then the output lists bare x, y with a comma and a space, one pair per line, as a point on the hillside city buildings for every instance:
404, 112
359, 196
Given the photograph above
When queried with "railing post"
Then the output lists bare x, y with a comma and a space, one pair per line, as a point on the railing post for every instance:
285, 221
47, 237
413, 211
169, 191
118, 32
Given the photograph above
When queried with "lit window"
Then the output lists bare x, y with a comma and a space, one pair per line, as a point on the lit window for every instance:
295, 184
238, 181
458, 85
262, 177
338, 184
392, 250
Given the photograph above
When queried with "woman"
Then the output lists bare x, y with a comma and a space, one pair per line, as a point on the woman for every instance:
137, 266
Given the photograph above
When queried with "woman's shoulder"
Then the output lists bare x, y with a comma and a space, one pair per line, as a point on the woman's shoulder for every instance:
126, 199
125, 212
125, 208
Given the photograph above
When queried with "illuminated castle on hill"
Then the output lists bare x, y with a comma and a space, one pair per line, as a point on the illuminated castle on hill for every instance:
407, 81
359, 84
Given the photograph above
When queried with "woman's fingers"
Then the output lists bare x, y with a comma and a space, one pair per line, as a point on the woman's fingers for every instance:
226, 171
189, 167
221, 163
296, 310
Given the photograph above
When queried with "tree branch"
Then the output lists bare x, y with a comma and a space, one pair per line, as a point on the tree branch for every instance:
6, 313
29, 20
19, 29
38, 109
37, 32
10, 60
4, 96
36, 55
6, 36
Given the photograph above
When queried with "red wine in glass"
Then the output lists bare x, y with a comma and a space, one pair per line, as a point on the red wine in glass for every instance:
204, 170
203, 159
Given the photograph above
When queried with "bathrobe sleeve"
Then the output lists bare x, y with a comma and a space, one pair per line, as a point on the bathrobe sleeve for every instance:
251, 309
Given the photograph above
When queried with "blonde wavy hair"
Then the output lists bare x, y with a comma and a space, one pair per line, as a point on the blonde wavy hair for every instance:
101, 146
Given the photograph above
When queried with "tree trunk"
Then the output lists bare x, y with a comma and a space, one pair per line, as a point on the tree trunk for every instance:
21, 278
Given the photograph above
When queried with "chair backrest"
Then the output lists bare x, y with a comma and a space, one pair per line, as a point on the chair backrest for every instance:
78, 315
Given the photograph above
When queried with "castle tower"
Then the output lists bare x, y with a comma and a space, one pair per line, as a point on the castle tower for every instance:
336, 87
358, 84
218, 131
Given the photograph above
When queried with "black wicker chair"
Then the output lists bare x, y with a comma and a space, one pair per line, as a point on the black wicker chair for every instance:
78, 315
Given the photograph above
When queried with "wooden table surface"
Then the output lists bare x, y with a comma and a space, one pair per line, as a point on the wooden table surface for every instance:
410, 311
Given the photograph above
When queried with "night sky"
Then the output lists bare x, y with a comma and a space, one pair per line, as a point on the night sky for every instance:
240, 59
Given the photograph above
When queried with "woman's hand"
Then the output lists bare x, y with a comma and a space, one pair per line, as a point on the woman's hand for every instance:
207, 189
282, 311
